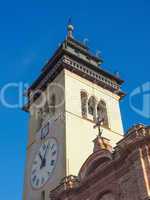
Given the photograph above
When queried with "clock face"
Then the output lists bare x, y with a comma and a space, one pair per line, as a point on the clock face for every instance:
44, 163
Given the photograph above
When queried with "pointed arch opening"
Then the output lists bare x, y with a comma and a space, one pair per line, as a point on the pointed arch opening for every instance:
84, 98
92, 107
102, 112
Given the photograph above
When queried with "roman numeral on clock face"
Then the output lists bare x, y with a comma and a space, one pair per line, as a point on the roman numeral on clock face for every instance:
34, 171
37, 182
34, 179
44, 147
52, 162
53, 153
53, 145
49, 173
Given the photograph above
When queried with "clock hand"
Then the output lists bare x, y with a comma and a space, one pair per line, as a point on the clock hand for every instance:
41, 158
43, 163
46, 150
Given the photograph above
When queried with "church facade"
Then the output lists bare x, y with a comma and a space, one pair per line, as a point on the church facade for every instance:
123, 174
66, 158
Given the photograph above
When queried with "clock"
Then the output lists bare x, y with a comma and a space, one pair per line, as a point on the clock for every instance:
44, 163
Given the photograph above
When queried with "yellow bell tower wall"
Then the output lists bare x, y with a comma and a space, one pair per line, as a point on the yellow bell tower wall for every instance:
79, 131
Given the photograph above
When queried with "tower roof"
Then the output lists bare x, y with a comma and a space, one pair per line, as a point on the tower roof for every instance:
77, 57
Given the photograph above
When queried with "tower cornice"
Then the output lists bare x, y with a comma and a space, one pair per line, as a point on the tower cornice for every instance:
75, 57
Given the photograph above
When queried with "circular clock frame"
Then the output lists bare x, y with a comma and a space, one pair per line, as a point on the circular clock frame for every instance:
37, 162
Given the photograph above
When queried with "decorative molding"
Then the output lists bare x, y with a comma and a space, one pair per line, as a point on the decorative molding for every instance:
90, 72
73, 66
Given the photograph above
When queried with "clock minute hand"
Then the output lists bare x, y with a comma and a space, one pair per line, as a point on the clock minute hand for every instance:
46, 150
44, 158
41, 158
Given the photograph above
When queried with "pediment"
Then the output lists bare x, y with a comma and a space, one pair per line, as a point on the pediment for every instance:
95, 160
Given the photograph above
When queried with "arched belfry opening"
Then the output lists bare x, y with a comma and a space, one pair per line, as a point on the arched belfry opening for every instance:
102, 112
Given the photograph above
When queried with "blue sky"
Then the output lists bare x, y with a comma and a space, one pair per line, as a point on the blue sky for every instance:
29, 33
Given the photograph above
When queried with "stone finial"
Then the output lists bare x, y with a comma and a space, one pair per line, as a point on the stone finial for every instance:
101, 143
70, 28
70, 181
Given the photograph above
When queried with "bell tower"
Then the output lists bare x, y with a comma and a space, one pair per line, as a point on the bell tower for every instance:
70, 94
